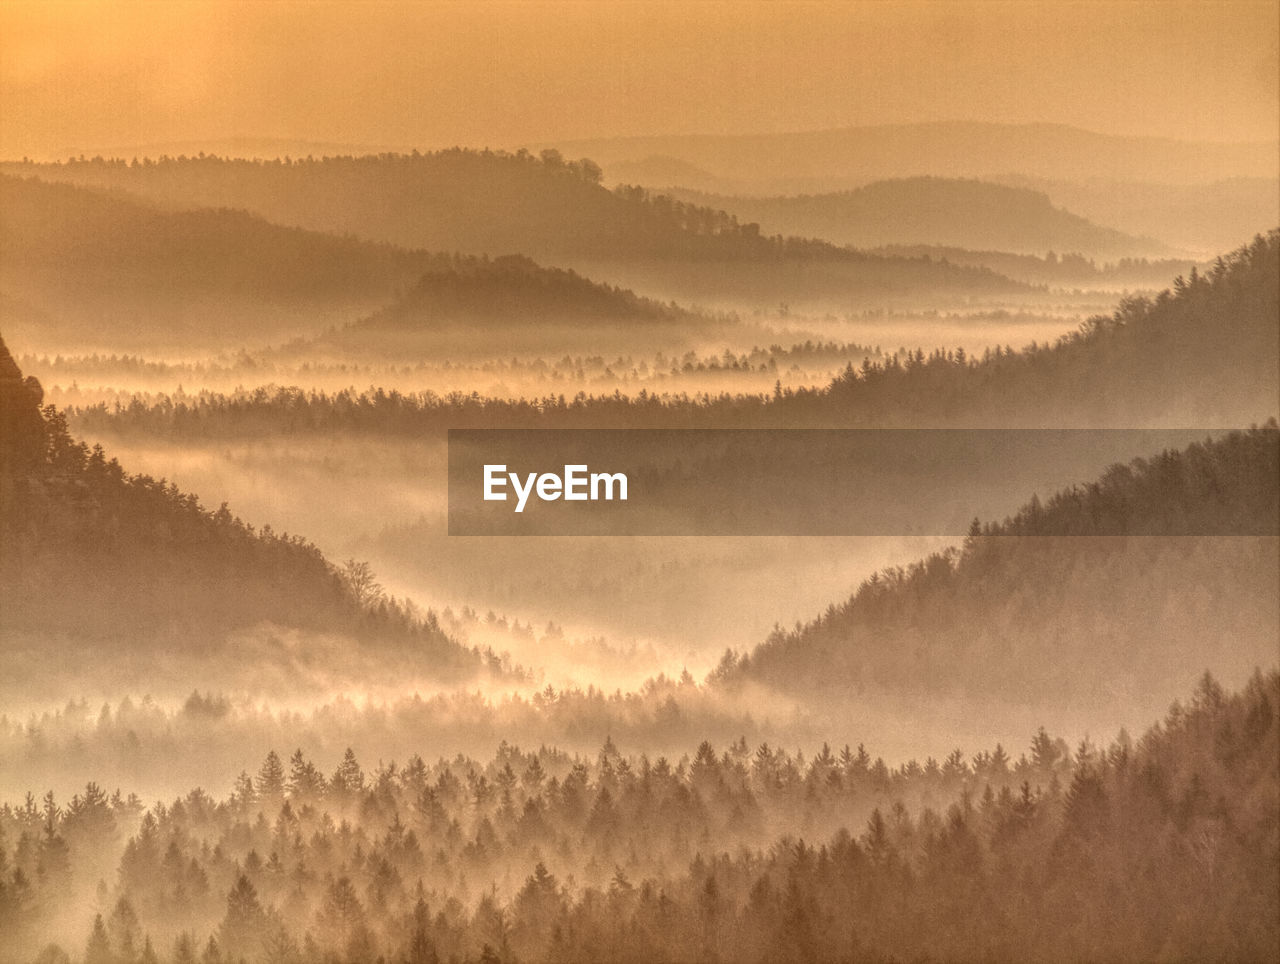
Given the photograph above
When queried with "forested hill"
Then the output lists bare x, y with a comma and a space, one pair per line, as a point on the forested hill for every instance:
477, 202
107, 266
93, 261
1201, 354
1069, 271
1204, 352
933, 210
103, 571
481, 202
469, 304
1058, 602
511, 290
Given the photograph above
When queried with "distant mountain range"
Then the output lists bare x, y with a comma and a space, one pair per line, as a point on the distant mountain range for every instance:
86, 263
822, 161
483, 203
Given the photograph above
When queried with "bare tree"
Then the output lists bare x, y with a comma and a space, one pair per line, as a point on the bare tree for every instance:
361, 581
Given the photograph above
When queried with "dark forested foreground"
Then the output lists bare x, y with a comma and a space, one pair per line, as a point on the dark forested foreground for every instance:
1166, 848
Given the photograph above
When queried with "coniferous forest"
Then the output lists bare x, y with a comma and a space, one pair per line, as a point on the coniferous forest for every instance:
1159, 847
927, 358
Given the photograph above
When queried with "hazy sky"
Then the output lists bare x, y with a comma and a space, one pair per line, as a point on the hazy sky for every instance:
97, 73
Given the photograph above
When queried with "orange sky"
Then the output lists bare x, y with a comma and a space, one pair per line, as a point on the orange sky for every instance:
96, 74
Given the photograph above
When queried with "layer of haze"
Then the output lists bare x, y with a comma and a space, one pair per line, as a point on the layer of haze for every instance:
122, 76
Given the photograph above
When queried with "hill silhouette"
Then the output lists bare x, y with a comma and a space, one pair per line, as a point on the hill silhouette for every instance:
476, 202
78, 262
108, 573
547, 208
1058, 601
938, 211
513, 290
828, 160
1200, 218
1200, 354
465, 305
1063, 271
104, 265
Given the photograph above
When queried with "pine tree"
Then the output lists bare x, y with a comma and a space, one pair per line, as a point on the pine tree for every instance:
348, 778
306, 782
98, 950
270, 784
244, 925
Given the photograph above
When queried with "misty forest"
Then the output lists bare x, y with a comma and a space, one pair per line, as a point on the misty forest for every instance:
259, 706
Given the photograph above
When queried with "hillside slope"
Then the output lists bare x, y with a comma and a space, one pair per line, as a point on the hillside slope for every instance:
116, 576
1201, 218
106, 266
465, 305
1064, 272
937, 211
76, 263
1059, 603
477, 202
549, 209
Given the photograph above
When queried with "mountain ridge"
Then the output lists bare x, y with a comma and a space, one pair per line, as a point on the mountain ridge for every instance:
948, 212
970, 148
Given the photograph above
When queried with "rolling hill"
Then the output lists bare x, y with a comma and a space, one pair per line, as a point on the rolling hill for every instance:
118, 577
1202, 354
937, 211
512, 290
832, 160
465, 305
103, 267
77, 264
1060, 602
547, 208
474, 202
1201, 218
1065, 271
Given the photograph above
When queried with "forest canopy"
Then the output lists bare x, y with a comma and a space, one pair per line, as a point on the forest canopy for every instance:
1160, 847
